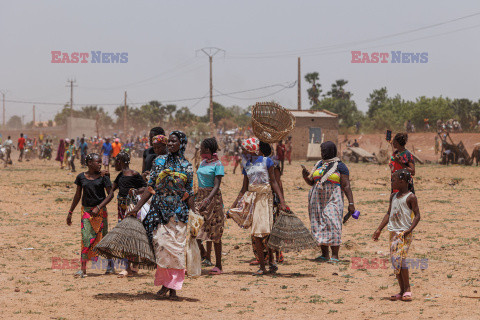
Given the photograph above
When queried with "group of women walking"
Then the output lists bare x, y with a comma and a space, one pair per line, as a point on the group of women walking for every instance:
166, 188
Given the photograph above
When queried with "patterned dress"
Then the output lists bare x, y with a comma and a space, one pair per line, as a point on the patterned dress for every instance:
325, 205
166, 222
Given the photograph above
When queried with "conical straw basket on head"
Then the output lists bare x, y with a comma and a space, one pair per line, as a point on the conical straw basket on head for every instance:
290, 234
271, 122
128, 240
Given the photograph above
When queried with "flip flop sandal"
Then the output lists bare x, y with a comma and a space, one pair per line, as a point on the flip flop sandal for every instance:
215, 271
254, 263
407, 296
396, 297
334, 261
260, 272
80, 274
321, 259
207, 263
124, 274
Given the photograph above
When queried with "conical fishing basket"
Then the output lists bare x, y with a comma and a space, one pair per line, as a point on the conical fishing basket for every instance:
128, 240
290, 234
271, 122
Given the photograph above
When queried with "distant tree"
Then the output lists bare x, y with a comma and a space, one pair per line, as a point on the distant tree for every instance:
377, 99
50, 123
315, 90
185, 116
14, 122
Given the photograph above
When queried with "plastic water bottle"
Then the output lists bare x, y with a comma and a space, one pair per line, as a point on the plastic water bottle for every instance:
356, 214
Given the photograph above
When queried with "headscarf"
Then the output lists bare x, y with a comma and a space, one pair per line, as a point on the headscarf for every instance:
159, 139
251, 145
182, 137
60, 151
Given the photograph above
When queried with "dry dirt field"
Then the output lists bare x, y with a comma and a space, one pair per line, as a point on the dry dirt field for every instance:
35, 197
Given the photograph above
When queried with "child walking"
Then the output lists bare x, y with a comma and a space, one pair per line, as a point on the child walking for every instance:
126, 181
91, 186
400, 225
209, 204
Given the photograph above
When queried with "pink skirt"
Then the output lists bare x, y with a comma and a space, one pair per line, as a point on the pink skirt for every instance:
170, 278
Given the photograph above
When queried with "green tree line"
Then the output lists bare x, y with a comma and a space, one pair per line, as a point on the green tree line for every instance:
389, 112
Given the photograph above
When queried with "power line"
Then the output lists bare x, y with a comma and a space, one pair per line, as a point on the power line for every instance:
163, 101
289, 53
259, 97
178, 67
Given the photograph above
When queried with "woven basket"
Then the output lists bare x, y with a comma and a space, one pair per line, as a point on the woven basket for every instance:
128, 240
271, 122
290, 234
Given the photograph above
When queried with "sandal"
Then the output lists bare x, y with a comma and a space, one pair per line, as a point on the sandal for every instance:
396, 297
407, 296
215, 271
333, 261
125, 274
254, 262
260, 272
206, 262
80, 274
321, 259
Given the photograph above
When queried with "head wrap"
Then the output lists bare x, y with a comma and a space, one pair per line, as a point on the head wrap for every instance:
329, 150
117, 140
159, 139
251, 145
182, 137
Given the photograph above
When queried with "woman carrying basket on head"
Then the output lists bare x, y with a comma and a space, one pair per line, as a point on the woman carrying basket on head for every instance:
256, 197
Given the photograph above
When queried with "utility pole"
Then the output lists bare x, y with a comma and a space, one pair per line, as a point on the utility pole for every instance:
34, 115
299, 86
125, 117
3, 94
211, 52
71, 95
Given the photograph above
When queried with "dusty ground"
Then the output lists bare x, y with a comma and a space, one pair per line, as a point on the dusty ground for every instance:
35, 197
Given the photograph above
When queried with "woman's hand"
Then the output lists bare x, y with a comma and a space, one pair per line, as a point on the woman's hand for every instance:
305, 173
204, 204
145, 175
95, 211
132, 213
376, 234
351, 208
69, 219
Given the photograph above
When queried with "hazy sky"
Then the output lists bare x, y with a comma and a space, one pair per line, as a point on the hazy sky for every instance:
261, 39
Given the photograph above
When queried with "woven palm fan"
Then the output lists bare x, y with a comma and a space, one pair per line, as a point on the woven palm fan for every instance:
128, 240
271, 122
290, 234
